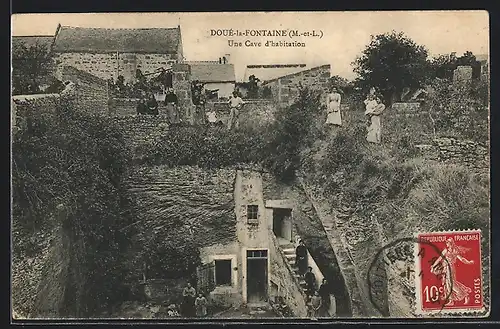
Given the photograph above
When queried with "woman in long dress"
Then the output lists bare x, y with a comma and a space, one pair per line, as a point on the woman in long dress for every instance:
374, 108
333, 108
454, 290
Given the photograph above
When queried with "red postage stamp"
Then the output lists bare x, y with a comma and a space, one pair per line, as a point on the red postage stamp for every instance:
448, 276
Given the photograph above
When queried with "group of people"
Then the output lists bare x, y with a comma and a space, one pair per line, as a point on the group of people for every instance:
149, 105
318, 299
374, 108
193, 304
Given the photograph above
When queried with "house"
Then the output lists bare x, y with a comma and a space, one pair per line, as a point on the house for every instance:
246, 241
218, 76
109, 53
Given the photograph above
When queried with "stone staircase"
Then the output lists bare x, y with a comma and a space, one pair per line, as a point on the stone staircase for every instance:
289, 252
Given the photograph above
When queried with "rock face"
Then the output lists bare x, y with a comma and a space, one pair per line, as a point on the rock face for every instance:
201, 199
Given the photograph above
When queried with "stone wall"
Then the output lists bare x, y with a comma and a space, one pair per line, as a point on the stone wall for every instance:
285, 89
111, 65
92, 94
468, 153
253, 114
283, 283
406, 119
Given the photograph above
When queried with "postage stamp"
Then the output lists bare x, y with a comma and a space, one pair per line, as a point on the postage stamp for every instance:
449, 279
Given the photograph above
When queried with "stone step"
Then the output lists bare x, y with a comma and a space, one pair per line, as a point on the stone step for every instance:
289, 251
290, 257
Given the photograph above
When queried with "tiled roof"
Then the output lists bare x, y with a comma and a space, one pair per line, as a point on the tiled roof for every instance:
213, 72
28, 41
272, 71
101, 40
300, 71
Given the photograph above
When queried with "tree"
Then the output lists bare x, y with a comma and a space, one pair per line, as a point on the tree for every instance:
29, 66
444, 65
392, 62
253, 86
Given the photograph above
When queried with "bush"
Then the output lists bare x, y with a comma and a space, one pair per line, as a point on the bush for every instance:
79, 161
460, 110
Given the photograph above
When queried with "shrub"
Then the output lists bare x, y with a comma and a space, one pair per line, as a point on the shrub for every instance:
79, 161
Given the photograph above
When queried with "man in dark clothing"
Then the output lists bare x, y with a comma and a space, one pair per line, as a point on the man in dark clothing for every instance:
172, 104
324, 292
141, 107
152, 105
301, 257
189, 296
310, 279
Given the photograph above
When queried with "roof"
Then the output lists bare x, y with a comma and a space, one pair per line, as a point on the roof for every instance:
272, 71
301, 71
213, 72
28, 41
101, 40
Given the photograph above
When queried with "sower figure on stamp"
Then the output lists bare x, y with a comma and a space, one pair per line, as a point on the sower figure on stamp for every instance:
374, 108
310, 279
189, 295
301, 257
235, 105
445, 266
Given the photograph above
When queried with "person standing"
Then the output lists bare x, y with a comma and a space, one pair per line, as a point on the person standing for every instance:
172, 105
201, 305
301, 257
316, 304
333, 108
374, 108
152, 105
235, 105
310, 279
141, 107
189, 295
324, 292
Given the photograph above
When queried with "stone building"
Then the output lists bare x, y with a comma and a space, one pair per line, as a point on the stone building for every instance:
109, 53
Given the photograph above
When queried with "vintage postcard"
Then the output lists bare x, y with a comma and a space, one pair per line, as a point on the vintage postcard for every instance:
250, 165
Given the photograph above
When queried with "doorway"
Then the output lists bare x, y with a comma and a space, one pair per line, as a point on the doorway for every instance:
282, 223
257, 273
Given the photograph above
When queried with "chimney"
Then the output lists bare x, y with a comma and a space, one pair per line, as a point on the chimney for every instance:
227, 56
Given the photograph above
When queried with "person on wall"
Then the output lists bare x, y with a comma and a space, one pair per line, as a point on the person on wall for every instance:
333, 108
152, 105
301, 257
172, 105
235, 105
374, 108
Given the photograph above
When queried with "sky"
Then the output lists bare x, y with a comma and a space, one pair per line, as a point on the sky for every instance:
344, 34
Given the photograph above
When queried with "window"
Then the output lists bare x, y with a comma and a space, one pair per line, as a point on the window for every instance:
223, 272
252, 213
256, 253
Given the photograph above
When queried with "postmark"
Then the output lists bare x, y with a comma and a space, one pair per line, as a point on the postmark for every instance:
451, 282
392, 274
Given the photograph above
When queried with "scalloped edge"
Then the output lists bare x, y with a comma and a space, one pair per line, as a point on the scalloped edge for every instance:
482, 312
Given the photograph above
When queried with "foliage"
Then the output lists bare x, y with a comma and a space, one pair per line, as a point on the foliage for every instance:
460, 109
444, 65
78, 161
30, 65
205, 147
197, 92
392, 62
293, 130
